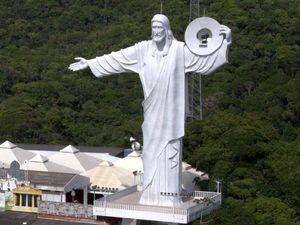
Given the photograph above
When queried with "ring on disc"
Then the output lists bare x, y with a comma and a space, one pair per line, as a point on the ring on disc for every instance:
202, 36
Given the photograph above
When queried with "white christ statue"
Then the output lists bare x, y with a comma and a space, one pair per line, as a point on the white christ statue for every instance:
161, 64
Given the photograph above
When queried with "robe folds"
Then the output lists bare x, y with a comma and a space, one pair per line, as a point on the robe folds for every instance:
162, 76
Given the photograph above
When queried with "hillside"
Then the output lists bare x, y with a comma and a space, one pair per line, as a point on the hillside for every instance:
249, 136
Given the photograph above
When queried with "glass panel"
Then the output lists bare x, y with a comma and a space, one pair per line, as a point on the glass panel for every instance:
17, 199
29, 200
23, 199
35, 200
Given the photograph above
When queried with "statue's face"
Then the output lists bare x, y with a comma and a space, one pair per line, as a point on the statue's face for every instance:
158, 32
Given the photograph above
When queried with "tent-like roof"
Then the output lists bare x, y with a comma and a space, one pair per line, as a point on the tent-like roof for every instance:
133, 162
42, 163
56, 148
106, 175
71, 157
8, 145
9, 152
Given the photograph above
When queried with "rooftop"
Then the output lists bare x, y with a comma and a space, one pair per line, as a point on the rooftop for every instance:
48, 178
44, 147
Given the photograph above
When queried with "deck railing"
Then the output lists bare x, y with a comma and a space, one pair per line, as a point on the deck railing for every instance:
136, 207
210, 200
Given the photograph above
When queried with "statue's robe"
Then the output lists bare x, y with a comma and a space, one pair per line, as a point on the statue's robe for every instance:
162, 74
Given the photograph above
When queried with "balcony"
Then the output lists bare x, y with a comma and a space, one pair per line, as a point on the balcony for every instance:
126, 205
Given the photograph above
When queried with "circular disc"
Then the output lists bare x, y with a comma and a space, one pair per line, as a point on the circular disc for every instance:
202, 36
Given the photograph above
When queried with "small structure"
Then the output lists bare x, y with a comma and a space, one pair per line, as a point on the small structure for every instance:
25, 198
107, 179
57, 187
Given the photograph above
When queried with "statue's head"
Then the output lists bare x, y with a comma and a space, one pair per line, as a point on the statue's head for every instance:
161, 28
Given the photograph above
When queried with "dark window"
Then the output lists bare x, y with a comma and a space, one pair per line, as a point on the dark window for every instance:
35, 200
29, 200
23, 199
17, 199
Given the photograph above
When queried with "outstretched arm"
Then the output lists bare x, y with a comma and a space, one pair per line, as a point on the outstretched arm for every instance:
207, 64
121, 61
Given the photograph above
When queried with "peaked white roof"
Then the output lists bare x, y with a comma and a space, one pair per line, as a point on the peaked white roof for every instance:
106, 163
8, 144
10, 152
70, 149
106, 175
134, 154
72, 158
42, 163
39, 159
133, 162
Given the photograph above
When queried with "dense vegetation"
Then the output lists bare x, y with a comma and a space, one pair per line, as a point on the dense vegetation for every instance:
250, 133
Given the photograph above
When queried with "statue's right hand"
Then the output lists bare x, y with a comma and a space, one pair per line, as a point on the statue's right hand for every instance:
80, 65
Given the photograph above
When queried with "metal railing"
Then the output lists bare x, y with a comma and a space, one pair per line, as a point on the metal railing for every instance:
205, 194
213, 200
136, 207
210, 202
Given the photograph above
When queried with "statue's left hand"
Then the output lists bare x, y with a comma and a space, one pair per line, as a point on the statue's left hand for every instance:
227, 33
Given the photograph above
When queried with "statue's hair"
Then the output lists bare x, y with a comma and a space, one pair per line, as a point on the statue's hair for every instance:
166, 24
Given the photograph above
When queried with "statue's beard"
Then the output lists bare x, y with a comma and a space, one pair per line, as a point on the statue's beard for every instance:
158, 38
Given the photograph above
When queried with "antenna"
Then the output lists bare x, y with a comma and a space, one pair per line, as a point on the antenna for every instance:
194, 81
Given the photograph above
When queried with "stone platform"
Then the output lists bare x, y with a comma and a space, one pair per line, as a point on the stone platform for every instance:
125, 204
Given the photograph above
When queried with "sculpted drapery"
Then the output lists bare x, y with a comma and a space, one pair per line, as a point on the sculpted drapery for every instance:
162, 75
163, 80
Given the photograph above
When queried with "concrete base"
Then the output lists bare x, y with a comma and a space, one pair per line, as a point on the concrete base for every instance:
126, 206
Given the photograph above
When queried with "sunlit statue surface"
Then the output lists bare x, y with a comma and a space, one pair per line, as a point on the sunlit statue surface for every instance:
161, 64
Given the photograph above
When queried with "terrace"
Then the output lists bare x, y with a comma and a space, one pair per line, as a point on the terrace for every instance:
125, 204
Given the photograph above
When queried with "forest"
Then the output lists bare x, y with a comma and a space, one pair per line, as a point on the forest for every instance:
249, 135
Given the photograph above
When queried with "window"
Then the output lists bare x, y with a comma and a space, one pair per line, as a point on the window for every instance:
23, 196
35, 200
29, 200
17, 199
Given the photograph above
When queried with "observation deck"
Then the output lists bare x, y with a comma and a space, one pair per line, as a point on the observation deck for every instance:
125, 204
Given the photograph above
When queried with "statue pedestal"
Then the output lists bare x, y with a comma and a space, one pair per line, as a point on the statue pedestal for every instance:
125, 204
